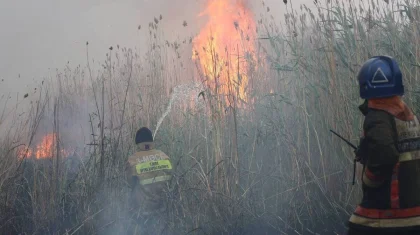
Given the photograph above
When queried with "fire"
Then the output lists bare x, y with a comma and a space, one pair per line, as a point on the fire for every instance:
225, 44
45, 149
24, 152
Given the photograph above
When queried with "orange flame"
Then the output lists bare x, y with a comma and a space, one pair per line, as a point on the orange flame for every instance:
45, 149
226, 45
24, 152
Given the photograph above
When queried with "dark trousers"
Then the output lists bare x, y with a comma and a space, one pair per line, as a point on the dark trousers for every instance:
354, 231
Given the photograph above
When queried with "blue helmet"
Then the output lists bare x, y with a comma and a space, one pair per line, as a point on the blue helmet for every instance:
379, 77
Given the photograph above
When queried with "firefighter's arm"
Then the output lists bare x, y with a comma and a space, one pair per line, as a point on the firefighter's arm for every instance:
380, 148
169, 171
131, 178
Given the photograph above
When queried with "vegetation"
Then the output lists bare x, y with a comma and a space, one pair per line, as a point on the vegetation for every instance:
265, 165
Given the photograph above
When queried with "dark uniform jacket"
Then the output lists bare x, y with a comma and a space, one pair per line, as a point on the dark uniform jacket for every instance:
391, 178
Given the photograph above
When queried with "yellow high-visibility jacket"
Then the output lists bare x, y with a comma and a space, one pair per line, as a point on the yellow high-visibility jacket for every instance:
148, 172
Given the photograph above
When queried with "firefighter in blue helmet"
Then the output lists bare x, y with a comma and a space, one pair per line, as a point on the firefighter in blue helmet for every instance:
390, 153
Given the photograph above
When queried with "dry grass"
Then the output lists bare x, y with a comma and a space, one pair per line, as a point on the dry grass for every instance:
272, 167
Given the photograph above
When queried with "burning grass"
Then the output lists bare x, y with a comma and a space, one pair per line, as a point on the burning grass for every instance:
272, 168
46, 148
225, 47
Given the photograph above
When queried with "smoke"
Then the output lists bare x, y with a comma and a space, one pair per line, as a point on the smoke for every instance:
54, 36
40, 37
55, 40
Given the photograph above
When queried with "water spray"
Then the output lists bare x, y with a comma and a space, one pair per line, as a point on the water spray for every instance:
179, 91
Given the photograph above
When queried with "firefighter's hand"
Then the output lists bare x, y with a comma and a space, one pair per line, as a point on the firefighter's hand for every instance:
361, 152
357, 158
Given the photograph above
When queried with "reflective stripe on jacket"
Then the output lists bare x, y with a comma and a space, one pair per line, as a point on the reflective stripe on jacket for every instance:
148, 170
391, 181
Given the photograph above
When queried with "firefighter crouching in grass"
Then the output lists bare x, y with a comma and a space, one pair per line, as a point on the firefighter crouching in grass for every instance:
148, 172
390, 154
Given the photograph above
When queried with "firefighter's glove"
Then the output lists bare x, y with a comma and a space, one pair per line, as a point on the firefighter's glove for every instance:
361, 151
